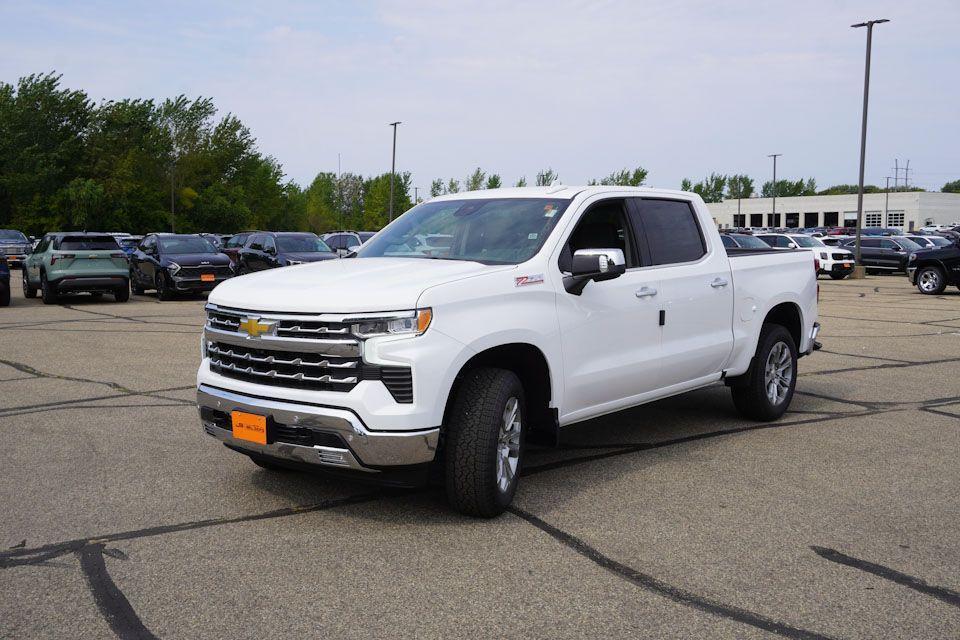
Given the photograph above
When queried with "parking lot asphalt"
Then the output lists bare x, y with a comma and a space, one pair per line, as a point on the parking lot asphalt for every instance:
678, 519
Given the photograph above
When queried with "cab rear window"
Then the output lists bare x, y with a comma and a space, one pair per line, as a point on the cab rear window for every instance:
88, 243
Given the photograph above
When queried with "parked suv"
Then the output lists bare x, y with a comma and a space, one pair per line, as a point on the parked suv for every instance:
4, 282
171, 263
742, 241
15, 246
835, 262
346, 242
933, 269
232, 245
267, 250
880, 254
72, 262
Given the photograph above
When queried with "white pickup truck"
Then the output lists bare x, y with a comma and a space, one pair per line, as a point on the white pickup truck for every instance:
550, 306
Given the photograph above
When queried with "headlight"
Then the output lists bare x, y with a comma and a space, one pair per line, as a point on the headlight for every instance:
912, 257
400, 323
173, 267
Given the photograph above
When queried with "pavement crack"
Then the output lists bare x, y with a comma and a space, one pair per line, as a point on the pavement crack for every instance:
655, 585
943, 594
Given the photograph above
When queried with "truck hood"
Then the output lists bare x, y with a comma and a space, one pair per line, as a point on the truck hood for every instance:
353, 285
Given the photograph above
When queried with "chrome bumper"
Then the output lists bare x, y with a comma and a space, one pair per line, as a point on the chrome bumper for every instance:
365, 450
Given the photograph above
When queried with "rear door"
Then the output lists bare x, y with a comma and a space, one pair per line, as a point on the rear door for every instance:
695, 285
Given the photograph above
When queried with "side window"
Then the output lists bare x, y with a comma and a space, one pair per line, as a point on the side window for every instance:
866, 242
351, 241
603, 226
255, 242
783, 241
728, 241
768, 240
889, 244
335, 242
269, 244
671, 230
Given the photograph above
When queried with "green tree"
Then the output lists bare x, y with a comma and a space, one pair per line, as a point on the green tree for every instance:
787, 188
475, 180
453, 186
546, 178
522, 182
739, 186
686, 185
436, 188
494, 182
624, 178
951, 187
711, 188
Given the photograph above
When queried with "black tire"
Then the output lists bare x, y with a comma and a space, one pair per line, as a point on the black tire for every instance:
264, 463
163, 291
135, 287
750, 390
4, 296
931, 281
29, 291
472, 434
47, 290
838, 276
122, 294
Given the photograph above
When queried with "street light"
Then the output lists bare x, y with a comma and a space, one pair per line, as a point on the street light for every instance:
859, 270
393, 166
773, 217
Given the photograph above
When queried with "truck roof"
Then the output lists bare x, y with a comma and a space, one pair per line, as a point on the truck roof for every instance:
559, 192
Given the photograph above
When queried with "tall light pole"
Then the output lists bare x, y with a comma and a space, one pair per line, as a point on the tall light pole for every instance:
886, 201
859, 270
393, 166
773, 217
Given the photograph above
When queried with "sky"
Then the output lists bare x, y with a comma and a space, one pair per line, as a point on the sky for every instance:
681, 88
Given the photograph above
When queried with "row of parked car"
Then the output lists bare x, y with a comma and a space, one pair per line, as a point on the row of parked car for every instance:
931, 260
103, 263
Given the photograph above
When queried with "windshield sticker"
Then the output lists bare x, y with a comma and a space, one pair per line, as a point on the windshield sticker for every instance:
549, 211
532, 236
522, 281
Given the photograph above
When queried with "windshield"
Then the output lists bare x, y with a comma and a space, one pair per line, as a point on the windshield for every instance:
752, 242
186, 244
491, 231
88, 243
301, 244
804, 241
9, 234
909, 244
940, 242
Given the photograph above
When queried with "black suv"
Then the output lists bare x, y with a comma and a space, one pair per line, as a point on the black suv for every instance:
266, 250
933, 269
883, 253
4, 282
170, 263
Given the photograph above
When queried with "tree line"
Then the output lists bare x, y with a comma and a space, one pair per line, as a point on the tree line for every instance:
142, 165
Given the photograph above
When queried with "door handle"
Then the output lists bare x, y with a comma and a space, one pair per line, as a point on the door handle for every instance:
646, 292
718, 282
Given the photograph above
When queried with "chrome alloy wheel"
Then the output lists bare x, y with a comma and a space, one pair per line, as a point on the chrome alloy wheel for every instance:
508, 445
929, 281
778, 373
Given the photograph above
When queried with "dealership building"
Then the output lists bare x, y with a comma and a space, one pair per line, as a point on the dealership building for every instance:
904, 210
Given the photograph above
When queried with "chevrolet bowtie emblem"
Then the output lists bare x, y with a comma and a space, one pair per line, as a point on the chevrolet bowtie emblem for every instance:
254, 327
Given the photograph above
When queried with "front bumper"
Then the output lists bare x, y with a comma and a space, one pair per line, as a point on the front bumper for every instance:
196, 284
15, 260
350, 445
912, 274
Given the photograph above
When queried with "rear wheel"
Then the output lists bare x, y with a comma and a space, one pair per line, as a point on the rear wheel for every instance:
29, 291
47, 290
930, 281
122, 294
485, 442
765, 390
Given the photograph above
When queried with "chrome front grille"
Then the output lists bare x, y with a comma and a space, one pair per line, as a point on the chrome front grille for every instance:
315, 352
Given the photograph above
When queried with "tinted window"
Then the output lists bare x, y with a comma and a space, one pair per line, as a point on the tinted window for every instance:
256, 242
236, 241
352, 241
888, 244
671, 231
751, 242
603, 226
301, 244
335, 242
88, 243
866, 242
770, 241
186, 244
366, 235
907, 244
728, 241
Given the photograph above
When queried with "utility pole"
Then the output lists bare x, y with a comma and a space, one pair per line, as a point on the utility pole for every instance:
773, 216
906, 176
339, 199
393, 166
416, 197
886, 203
859, 271
896, 173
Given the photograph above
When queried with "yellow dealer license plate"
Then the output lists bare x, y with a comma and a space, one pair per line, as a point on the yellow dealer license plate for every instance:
207, 277
249, 426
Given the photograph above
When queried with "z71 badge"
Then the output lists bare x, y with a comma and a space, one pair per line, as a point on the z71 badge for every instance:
521, 281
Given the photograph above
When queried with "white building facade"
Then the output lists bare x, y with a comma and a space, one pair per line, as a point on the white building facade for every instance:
903, 210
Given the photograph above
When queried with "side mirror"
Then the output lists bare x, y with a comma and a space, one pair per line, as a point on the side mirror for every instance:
792, 245
271, 250
594, 264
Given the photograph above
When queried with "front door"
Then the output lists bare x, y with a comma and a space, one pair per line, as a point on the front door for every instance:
610, 332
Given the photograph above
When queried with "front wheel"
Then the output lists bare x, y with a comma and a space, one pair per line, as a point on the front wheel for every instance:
29, 291
164, 292
135, 286
485, 442
930, 281
765, 390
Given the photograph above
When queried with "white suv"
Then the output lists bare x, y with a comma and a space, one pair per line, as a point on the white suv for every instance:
835, 262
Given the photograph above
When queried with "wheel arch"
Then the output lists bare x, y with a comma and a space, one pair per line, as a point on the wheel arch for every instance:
789, 316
